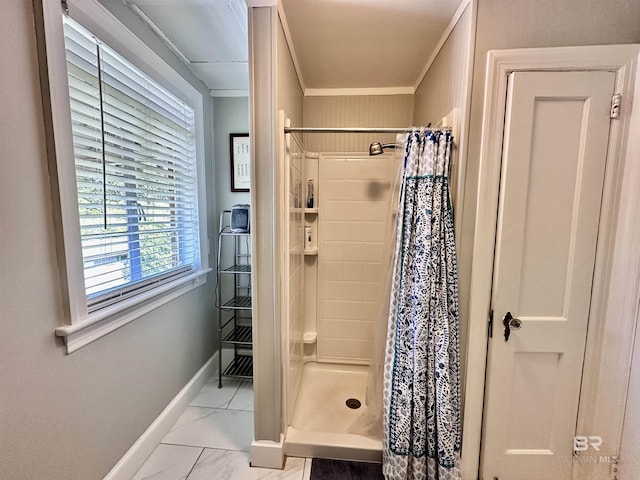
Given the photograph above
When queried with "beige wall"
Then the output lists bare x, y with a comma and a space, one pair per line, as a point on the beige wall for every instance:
444, 87
354, 111
69, 416
289, 91
629, 458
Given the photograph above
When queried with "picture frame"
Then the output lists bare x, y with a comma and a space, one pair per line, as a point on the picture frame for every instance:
240, 162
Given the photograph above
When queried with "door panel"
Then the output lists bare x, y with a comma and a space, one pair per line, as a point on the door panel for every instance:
529, 426
554, 156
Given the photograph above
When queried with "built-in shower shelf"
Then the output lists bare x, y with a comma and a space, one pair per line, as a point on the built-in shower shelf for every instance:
240, 367
311, 251
310, 337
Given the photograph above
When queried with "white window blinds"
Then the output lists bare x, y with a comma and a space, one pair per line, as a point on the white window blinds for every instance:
134, 148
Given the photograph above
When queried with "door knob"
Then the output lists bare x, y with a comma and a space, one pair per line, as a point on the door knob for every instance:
510, 323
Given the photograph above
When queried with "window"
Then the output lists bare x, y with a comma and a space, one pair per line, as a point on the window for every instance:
134, 151
128, 154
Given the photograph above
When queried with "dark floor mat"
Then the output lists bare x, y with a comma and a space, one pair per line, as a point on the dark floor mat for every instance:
325, 469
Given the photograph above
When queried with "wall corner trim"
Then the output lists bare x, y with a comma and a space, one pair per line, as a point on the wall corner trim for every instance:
129, 464
262, 3
265, 217
266, 454
292, 49
443, 39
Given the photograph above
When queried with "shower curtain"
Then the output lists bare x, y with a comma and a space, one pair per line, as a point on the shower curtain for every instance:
421, 390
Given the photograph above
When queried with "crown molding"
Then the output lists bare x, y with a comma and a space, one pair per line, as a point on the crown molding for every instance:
344, 92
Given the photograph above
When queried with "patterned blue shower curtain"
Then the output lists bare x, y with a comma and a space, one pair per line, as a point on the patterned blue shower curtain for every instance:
421, 393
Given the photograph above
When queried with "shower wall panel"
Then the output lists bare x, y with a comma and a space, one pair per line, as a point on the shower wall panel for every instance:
354, 217
354, 111
295, 269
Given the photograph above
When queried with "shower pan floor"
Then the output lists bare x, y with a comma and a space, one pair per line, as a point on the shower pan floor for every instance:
321, 418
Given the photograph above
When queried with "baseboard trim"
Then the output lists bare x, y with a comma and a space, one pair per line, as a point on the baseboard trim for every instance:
267, 454
129, 464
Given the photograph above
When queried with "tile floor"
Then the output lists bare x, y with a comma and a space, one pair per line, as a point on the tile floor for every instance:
211, 440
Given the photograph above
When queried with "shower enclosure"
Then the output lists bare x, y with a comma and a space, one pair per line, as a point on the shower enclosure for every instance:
331, 301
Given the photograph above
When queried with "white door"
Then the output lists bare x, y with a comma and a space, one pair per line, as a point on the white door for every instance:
553, 164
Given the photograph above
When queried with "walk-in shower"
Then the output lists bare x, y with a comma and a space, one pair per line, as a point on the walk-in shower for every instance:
334, 295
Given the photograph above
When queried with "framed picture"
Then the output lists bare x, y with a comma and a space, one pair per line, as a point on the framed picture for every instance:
240, 162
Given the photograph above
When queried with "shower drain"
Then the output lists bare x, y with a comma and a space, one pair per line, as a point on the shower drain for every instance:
353, 403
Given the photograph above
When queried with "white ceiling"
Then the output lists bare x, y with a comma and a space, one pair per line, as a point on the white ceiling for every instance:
365, 43
209, 35
337, 43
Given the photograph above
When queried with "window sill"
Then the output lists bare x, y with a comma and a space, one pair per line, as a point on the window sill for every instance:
109, 319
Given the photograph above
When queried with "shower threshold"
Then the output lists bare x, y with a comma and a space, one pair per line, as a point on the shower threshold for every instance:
320, 425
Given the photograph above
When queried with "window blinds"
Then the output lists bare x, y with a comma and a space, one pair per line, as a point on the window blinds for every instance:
134, 148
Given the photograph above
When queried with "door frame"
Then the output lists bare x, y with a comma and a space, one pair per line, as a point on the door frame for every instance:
618, 257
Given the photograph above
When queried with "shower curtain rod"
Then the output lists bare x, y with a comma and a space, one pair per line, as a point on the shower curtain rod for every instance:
353, 130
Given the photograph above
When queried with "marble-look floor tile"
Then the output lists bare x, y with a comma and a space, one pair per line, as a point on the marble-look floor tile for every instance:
169, 462
212, 428
213, 397
223, 465
243, 399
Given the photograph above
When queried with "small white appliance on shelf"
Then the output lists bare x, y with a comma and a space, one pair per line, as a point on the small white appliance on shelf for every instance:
240, 218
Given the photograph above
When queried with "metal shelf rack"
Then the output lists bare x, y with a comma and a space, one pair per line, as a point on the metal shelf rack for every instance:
233, 299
